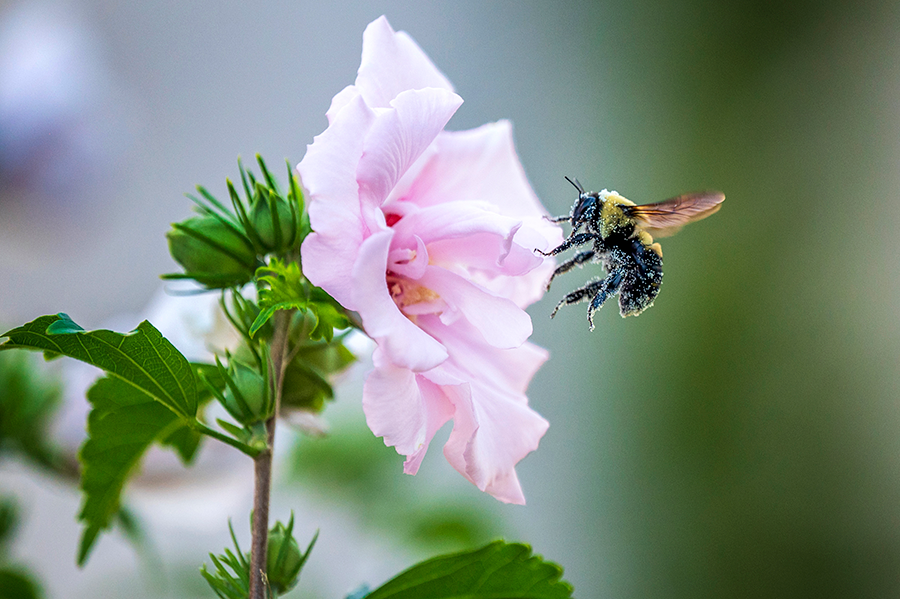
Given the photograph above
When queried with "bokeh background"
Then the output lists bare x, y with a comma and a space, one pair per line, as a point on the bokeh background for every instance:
739, 439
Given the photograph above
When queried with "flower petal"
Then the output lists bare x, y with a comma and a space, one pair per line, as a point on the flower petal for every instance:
328, 172
410, 263
493, 427
479, 164
507, 370
491, 254
404, 408
491, 434
340, 100
498, 319
398, 137
393, 62
455, 220
404, 343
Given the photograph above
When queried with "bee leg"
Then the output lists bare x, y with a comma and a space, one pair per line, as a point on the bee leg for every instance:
579, 295
568, 265
573, 240
607, 287
558, 219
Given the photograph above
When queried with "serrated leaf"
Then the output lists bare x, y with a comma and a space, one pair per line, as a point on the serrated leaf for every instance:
281, 286
497, 571
122, 425
328, 318
185, 440
143, 357
269, 311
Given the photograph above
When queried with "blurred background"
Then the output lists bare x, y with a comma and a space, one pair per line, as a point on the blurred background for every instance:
739, 439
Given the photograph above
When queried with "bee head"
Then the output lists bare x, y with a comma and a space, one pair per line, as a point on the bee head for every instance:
584, 206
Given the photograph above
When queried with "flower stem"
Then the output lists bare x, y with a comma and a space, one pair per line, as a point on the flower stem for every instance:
210, 432
262, 470
262, 463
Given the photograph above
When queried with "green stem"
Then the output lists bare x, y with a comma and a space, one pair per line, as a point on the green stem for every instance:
253, 452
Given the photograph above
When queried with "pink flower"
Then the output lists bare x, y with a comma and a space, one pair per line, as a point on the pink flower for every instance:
430, 235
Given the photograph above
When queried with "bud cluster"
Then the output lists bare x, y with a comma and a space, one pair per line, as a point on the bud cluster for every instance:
222, 248
231, 573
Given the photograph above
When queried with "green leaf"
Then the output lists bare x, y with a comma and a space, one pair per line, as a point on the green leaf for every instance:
143, 357
498, 571
284, 288
122, 425
329, 316
9, 520
185, 440
16, 584
233, 584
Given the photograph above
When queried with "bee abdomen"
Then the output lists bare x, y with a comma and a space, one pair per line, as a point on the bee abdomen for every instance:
641, 281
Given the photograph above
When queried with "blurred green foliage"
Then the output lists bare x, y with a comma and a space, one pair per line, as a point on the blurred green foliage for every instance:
355, 466
28, 402
746, 429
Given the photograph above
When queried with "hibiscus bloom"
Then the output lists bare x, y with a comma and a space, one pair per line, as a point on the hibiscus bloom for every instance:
430, 236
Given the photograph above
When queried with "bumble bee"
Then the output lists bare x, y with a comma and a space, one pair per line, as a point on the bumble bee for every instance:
621, 236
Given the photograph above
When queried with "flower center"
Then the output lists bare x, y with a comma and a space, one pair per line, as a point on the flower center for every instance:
406, 293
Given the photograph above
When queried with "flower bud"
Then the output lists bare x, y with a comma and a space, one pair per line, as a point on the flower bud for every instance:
307, 379
283, 559
246, 394
277, 229
212, 252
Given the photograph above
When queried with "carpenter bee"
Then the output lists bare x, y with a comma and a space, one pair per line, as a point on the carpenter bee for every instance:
621, 235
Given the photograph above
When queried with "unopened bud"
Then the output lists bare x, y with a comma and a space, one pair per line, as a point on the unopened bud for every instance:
246, 395
283, 559
212, 252
278, 228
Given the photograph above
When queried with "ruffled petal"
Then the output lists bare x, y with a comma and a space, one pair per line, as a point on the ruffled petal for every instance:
491, 434
490, 254
404, 408
410, 263
328, 172
458, 220
392, 62
507, 370
500, 321
340, 100
398, 137
478, 164
493, 427
404, 343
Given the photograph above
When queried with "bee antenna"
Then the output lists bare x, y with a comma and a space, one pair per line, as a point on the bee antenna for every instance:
576, 184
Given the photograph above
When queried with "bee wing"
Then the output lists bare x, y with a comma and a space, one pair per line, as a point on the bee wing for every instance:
667, 217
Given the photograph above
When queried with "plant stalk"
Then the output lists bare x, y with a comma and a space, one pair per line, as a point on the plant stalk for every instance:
262, 463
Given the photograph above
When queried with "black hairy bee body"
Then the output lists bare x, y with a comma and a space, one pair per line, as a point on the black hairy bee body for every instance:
619, 234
